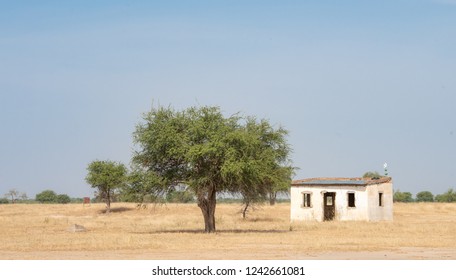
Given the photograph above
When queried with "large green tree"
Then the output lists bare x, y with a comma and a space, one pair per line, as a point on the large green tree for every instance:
107, 177
211, 153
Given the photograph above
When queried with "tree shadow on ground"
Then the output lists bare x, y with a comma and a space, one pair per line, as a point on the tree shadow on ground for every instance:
197, 231
116, 210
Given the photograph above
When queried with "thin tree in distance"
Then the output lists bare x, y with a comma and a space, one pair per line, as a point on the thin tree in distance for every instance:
107, 177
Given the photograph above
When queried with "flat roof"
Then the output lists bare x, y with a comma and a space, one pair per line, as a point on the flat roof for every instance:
340, 181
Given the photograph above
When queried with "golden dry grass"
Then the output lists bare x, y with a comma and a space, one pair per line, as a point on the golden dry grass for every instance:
173, 231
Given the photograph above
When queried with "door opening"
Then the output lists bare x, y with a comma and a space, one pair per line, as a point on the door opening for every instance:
329, 199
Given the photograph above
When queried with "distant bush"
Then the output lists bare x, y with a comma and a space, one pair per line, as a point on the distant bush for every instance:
373, 175
63, 199
4, 200
49, 196
46, 196
424, 196
402, 196
449, 196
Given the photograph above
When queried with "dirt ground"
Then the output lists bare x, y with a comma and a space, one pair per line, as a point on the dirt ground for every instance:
397, 254
173, 232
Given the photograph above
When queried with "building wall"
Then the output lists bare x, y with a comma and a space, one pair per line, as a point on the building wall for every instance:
366, 203
376, 212
316, 212
357, 213
300, 213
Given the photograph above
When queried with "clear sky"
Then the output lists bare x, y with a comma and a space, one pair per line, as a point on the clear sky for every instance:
357, 83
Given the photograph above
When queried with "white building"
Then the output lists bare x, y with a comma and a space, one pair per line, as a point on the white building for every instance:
325, 199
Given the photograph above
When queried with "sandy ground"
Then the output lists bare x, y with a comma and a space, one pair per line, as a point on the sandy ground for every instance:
397, 254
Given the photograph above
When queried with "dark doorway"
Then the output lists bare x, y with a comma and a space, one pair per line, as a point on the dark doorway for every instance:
329, 199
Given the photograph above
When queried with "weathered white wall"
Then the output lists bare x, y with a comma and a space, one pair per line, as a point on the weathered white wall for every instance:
376, 212
366, 203
300, 213
316, 212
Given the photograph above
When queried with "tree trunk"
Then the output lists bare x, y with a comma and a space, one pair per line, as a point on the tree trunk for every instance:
244, 212
207, 206
108, 202
272, 198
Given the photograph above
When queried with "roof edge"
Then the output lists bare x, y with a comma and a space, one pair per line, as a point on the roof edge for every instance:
344, 181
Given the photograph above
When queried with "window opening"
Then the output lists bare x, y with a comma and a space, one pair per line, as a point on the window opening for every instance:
351, 200
306, 200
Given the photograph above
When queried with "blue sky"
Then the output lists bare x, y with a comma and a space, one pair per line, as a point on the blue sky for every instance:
357, 83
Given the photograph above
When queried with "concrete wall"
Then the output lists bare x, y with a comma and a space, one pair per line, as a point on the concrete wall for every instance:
366, 203
377, 212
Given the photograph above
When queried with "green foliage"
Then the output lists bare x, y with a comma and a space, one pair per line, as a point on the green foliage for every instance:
282, 185
180, 196
106, 177
257, 161
63, 199
402, 196
424, 196
212, 154
4, 200
449, 196
142, 187
372, 175
47, 196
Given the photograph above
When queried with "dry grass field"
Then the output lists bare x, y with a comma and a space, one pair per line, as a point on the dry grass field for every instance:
173, 231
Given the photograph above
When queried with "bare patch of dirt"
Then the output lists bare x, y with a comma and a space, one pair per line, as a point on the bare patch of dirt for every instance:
397, 254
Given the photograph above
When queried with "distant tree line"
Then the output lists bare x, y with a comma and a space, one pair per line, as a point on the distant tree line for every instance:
178, 195
48, 196
424, 196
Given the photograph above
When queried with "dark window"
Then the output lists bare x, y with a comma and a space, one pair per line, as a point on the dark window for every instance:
380, 199
351, 199
306, 200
